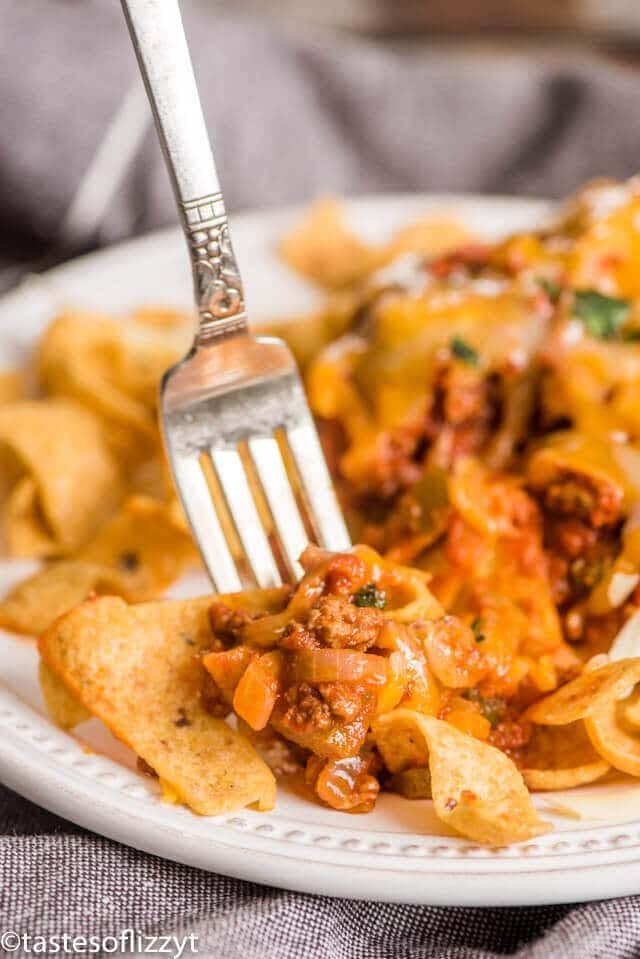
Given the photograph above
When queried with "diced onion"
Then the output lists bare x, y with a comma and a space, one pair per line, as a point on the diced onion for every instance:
337, 665
345, 784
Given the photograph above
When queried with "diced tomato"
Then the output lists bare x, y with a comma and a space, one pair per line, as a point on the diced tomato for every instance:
226, 668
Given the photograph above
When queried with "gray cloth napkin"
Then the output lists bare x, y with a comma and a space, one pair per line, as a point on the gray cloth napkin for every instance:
293, 115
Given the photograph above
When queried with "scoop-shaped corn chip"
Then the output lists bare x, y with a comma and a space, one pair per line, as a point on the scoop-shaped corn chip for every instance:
79, 357
32, 605
401, 740
113, 368
75, 484
613, 729
137, 555
430, 236
585, 694
323, 249
561, 758
137, 669
147, 352
476, 789
24, 532
65, 710
149, 541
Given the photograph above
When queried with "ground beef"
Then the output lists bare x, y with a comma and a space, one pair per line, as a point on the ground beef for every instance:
459, 395
345, 701
397, 464
464, 410
227, 623
571, 537
579, 555
330, 719
212, 697
306, 707
585, 497
297, 637
339, 624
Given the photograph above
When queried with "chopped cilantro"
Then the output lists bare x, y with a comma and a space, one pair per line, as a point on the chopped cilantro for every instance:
463, 351
550, 287
476, 627
370, 595
602, 316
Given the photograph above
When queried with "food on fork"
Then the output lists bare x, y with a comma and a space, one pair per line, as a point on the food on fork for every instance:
82, 471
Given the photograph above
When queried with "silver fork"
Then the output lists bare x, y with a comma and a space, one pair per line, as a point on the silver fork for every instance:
236, 402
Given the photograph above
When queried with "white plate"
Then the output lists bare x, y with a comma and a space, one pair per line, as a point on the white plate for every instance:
398, 852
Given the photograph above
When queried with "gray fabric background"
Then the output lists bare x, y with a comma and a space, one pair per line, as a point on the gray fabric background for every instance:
292, 115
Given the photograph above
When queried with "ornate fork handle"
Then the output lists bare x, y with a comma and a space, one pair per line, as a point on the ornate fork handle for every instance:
163, 55
215, 271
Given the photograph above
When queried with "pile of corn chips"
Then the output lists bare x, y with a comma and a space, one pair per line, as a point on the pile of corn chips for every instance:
85, 485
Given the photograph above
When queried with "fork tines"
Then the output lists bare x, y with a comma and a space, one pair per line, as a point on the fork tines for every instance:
249, 466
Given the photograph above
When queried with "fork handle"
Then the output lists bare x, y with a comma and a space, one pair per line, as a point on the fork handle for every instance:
163, 57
